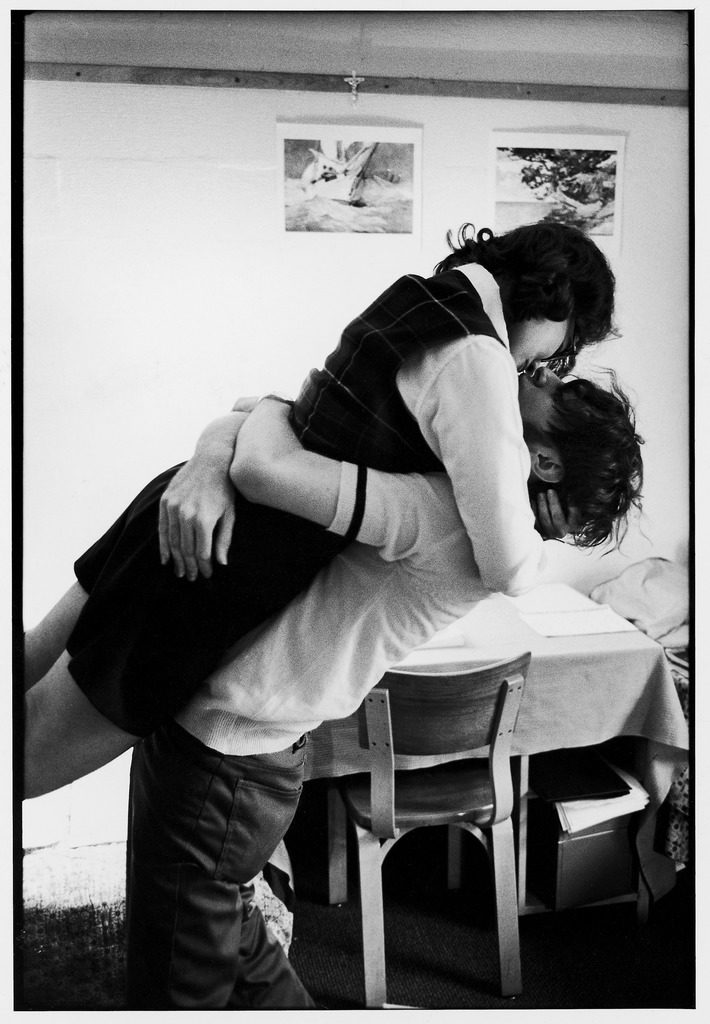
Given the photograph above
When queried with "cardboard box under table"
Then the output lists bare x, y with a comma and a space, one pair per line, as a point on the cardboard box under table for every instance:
573, 869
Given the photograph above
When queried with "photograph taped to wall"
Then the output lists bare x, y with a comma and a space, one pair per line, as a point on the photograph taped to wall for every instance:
562, 177
354, 179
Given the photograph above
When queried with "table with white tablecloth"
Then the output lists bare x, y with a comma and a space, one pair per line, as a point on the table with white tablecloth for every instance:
583, 688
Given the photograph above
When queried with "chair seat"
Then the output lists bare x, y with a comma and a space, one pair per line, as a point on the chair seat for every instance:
458, 791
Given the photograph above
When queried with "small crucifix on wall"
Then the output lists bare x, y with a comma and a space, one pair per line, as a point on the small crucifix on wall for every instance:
354, 82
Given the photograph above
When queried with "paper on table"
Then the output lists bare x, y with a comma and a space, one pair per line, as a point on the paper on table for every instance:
597, 619
576, 815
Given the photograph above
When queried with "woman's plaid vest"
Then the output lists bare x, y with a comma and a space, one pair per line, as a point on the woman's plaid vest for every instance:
352, 410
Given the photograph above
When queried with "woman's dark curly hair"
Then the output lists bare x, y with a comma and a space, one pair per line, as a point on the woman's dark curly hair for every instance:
545, 271
595, 434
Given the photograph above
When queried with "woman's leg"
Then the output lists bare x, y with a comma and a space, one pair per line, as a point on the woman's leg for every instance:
65, 736
48, 639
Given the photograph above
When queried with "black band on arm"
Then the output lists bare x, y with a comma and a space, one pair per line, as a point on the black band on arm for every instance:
359, 509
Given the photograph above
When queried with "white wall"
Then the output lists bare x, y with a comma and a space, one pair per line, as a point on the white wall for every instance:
159, 287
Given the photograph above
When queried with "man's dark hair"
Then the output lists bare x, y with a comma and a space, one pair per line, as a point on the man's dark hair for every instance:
545, 271
594, 431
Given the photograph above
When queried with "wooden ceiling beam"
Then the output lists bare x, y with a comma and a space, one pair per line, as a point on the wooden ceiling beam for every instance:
290, 81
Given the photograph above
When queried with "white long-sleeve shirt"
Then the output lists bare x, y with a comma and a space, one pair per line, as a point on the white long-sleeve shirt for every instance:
366, 611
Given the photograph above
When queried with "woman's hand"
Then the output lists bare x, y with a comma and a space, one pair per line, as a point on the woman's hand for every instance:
197, 508
552, 522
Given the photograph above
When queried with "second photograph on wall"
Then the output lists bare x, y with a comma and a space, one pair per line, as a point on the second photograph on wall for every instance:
354, 179
564, 177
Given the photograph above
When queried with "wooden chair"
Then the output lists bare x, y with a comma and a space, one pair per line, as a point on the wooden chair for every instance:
433, 711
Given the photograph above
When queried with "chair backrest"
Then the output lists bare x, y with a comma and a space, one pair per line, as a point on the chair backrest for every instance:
439, 711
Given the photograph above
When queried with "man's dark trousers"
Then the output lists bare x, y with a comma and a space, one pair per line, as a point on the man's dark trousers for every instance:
201, 825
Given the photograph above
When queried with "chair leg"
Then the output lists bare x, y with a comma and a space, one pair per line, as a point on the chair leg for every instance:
506, 894
454, 846
373, 931
337, 848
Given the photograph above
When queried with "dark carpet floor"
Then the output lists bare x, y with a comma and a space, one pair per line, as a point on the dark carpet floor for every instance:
441, 945
441, 950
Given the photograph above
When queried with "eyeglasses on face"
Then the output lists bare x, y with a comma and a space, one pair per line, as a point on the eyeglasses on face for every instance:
564, 359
